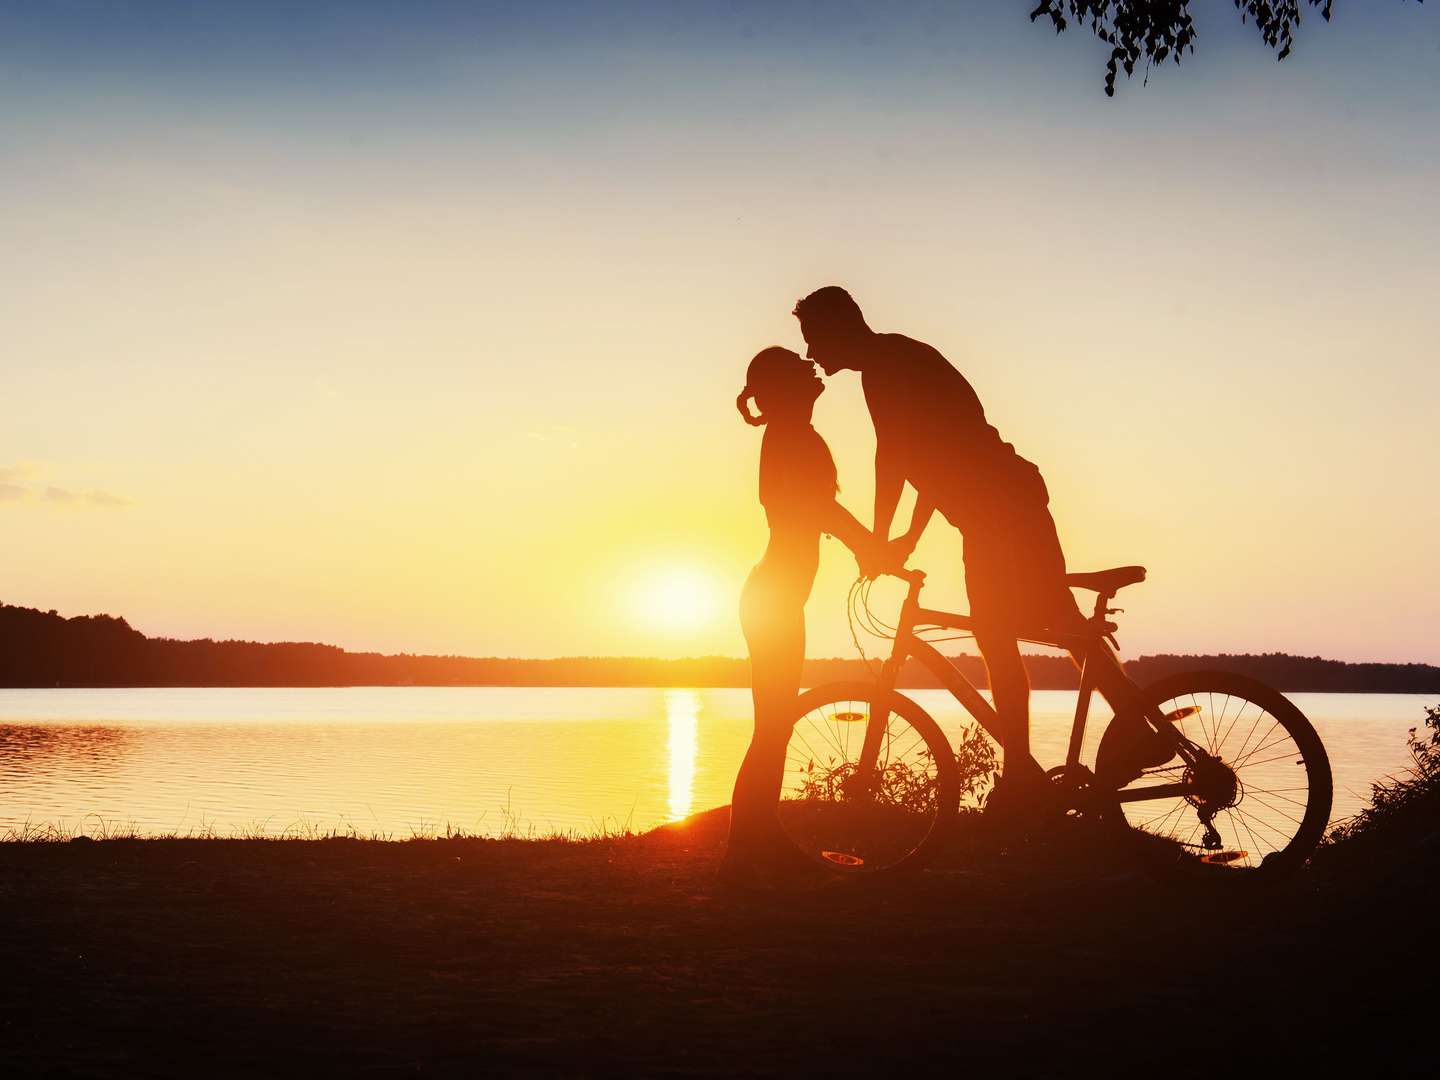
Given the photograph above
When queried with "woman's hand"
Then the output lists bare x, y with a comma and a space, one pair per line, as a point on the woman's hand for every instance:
879, 558
875, 557
868, 559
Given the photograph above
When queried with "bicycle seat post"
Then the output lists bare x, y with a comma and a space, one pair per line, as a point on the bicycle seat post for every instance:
1102, 603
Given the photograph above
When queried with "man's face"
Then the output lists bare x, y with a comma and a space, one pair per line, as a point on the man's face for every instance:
831, 350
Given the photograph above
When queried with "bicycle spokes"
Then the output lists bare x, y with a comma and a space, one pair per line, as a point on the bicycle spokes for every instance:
1241, 800
861, 787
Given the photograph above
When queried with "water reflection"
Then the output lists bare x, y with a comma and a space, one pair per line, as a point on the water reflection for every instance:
393, 761
24, 747
682, 713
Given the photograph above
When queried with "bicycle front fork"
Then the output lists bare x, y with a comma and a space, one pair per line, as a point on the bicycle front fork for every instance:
879, 723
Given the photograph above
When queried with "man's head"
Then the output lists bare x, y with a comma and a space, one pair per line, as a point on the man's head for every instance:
835, 331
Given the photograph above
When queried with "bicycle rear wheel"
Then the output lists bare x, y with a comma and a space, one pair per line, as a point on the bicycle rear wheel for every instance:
1258, 801
866, 817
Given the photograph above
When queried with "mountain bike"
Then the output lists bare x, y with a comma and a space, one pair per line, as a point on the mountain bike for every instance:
872, 785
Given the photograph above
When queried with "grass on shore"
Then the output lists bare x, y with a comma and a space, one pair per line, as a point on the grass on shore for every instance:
512, 828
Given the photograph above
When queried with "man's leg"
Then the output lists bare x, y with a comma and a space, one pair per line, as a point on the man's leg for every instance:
1015, 576
1130, 745
1010, 687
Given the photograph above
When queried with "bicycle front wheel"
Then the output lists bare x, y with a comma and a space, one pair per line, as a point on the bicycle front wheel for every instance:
870, 782
1257, 802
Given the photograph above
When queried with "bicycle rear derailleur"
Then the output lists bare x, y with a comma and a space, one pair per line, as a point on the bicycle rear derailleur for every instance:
1216, 788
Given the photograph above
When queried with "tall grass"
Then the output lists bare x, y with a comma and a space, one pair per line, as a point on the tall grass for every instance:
1413, 797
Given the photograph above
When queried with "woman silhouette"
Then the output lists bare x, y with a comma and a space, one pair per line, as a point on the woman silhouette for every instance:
797, 490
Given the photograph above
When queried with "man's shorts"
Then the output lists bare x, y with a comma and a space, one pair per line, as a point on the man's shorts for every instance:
1014, 567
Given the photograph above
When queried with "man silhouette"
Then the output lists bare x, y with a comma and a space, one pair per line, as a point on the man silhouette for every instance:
930, 429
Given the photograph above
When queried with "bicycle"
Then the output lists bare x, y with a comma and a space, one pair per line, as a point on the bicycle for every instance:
1230, 804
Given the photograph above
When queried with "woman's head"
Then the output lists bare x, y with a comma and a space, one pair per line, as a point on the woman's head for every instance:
783, 385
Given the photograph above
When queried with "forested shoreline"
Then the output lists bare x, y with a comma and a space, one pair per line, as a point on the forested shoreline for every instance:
45, 649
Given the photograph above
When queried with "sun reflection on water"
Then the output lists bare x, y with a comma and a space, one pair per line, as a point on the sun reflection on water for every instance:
682, 713
397, 760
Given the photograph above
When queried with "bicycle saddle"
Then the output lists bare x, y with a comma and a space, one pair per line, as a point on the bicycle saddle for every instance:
1107, 582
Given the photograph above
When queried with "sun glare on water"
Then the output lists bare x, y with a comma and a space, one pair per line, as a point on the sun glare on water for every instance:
679, 600
682, 712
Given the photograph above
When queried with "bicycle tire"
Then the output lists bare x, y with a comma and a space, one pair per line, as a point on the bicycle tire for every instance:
899, 829
1286, 818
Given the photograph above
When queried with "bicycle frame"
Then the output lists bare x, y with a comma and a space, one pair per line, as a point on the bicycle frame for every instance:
1099, 665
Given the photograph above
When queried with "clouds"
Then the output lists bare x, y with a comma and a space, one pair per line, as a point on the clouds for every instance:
87, 498
105, 499
13, 490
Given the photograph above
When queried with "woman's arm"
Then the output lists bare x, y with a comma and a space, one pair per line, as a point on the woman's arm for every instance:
840, 523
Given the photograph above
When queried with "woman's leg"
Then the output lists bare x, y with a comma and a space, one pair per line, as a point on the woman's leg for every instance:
775, 634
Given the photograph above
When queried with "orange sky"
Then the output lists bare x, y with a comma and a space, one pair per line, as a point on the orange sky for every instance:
452, 370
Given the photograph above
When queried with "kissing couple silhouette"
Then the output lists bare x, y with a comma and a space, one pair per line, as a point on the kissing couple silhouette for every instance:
930, 432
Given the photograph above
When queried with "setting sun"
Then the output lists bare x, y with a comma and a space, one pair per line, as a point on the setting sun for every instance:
683, 599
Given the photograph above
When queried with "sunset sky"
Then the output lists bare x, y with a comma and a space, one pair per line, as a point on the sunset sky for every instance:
418, 326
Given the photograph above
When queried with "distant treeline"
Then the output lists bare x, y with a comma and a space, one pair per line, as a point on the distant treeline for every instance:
39, 648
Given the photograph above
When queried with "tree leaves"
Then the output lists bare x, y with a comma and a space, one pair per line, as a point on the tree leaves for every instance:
1157, 30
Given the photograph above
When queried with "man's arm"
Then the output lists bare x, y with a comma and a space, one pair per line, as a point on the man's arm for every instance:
924, 511
889, 482
897, 552
894, 553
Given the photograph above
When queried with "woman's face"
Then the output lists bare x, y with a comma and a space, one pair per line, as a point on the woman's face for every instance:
789, 385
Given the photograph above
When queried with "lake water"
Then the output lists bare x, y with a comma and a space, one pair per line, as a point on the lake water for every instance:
398, 761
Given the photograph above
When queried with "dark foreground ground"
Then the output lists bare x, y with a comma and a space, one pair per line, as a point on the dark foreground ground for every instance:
620, 957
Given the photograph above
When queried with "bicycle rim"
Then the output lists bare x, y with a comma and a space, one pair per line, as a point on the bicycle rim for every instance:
1260, 813
864, 820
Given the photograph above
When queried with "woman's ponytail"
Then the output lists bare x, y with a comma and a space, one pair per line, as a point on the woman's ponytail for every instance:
743, 404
